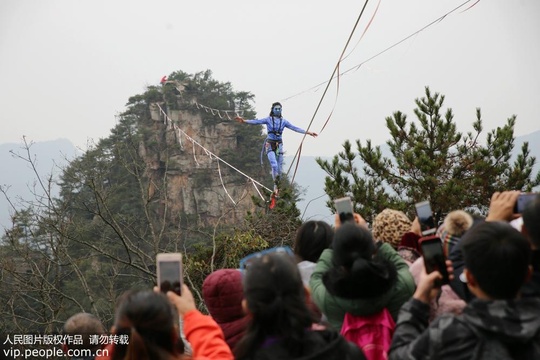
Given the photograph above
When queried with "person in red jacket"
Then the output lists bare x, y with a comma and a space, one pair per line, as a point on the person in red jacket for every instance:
148, 319
202, 332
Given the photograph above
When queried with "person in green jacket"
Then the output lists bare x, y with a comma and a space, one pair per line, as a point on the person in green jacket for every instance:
359, 276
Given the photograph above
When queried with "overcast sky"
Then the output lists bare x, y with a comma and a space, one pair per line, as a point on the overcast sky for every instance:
67, 67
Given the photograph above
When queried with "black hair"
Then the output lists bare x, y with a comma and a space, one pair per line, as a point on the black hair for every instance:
531, 221
275, 297
498, 256
357, 271
148, 318
272, 109
311, 239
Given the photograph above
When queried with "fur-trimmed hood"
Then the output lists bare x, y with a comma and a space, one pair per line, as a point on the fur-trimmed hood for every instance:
335, 307
375, 278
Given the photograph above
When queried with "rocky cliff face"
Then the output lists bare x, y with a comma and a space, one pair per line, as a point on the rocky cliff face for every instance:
183, 169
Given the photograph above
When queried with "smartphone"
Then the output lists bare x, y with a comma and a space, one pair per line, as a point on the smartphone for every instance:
522, 201
169, 272
434, 259
344, 208
425, 217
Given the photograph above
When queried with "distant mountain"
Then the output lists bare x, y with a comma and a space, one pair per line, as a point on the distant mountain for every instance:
51, 156
18, 177
310, 177
534, 145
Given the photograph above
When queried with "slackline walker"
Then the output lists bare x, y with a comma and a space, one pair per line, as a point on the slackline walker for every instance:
273, 144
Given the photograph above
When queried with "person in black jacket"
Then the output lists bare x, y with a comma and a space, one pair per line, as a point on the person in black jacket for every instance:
531, 229
281, 325
497, 324
502, 208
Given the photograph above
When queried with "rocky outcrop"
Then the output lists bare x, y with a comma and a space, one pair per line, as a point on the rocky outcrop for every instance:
187, 179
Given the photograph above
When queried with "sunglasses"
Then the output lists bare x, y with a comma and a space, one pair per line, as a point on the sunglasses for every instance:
248, 260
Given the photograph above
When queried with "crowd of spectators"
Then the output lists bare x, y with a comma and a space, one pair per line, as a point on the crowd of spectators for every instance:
292, 304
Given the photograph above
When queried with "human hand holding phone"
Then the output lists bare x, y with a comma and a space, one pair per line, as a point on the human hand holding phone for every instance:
501, 206
183, 303
358, 219
428, 287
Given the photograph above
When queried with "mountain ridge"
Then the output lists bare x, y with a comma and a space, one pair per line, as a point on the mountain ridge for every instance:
18, 178
19, 181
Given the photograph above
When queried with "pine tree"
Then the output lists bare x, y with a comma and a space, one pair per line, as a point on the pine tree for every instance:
430, 160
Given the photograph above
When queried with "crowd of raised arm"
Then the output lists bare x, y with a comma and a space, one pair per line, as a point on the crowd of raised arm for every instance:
300, 303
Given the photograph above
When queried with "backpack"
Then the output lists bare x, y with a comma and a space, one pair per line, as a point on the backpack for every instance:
373, 334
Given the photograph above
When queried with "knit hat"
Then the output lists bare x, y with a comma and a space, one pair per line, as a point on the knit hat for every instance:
390, 225
223, 293
455, 224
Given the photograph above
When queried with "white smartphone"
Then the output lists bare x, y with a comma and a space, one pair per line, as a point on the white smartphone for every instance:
425, 217
169, 272
344, 208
